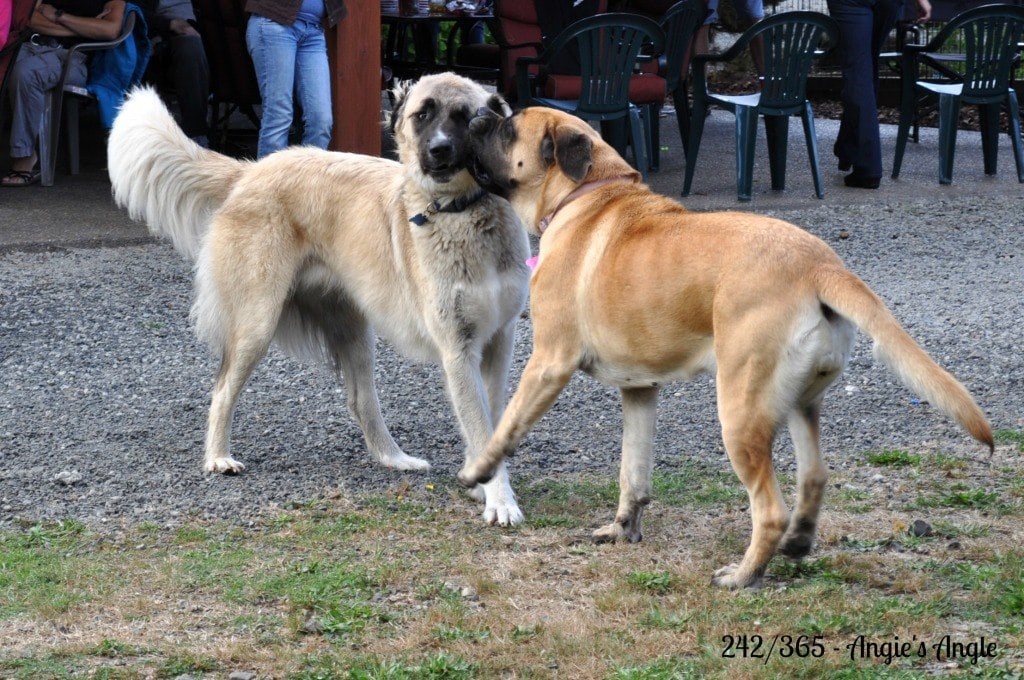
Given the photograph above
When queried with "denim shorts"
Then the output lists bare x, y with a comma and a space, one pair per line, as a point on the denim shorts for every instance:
749, 10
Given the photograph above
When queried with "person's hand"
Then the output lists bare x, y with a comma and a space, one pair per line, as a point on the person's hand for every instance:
49, 12
182, 27
924, 10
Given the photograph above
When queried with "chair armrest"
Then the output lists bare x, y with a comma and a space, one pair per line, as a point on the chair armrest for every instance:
512, 46
523, 94
129, 26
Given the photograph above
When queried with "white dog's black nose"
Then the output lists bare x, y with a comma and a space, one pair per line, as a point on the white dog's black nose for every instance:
441, 149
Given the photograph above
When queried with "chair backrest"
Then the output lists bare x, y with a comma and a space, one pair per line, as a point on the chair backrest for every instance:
990, 35
792, 41
680, 24
607, 46
517, 32
232, 76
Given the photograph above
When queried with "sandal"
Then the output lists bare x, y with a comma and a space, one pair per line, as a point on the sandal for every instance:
19, 178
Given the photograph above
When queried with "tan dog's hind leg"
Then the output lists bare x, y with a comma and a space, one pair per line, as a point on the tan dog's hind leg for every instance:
639, 413
811, 478
748, 430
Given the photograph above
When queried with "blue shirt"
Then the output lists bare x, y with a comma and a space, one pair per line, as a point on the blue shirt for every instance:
311, 11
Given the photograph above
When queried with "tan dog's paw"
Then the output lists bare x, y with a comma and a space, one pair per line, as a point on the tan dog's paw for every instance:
615, 532
477, 493
226, 465
401, 461
733, 578
796, 546
471, 476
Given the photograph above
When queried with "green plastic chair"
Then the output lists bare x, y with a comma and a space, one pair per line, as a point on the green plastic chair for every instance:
990, 35
608, 46
680, 23
792, 40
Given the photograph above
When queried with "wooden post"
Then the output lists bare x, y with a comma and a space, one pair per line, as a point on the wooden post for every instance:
354, 51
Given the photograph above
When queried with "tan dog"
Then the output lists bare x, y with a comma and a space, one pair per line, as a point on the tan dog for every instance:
320, 250
636, 291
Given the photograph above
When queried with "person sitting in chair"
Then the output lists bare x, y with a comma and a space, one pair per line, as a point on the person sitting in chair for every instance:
179, 61
58, 24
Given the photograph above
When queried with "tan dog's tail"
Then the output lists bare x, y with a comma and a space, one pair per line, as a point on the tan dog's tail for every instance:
161, 176
851, 298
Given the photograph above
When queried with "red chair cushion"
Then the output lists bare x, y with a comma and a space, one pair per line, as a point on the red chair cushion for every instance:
644, 88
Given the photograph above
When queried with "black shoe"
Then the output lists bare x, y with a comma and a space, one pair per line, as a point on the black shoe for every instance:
844, 165
861, 182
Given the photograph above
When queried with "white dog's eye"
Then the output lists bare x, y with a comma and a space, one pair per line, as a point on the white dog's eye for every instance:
422, 115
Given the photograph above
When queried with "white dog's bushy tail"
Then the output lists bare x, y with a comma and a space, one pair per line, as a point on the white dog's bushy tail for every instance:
161, 176
851, 297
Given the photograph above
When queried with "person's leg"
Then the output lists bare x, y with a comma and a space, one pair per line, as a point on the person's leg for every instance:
35, 72
313, 82
886, 14
272, 48
857, 144
191, 74
749, 13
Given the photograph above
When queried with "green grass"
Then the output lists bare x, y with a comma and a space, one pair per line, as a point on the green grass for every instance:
657, 582
694, 485
438, 666
373, 588
44, 569
959, 495
664, 669
1015, 437
893, 458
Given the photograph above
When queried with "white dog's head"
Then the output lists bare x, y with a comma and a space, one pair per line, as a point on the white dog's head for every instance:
430, 122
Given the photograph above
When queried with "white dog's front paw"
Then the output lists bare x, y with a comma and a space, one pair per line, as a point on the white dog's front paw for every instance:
401, 461
504, 514
500, 505
225, 464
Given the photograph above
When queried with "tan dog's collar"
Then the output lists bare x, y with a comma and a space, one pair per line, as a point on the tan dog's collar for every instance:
581, 190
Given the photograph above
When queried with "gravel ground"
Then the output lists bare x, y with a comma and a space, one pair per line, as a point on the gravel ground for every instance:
105, 388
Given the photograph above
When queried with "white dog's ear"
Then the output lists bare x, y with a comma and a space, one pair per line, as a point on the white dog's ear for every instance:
398, 97
571, 150
498, 104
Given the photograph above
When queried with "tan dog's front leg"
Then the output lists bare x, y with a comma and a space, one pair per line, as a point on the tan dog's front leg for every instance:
639, 413
540, 385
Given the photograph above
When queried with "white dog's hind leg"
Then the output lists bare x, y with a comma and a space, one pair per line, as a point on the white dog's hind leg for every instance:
239, 359
639, 413
356, 358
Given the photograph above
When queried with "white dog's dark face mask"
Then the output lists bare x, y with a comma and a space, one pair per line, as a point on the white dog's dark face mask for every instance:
435, 126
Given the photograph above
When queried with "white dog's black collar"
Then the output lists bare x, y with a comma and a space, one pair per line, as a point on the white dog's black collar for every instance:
458, 205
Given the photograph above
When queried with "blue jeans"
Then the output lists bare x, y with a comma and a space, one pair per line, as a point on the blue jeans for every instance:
290, 60
863, 26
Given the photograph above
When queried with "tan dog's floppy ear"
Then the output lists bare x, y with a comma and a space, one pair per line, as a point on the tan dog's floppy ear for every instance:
572, 150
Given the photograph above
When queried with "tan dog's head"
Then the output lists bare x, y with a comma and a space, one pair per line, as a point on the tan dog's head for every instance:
538, 157
430, 120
